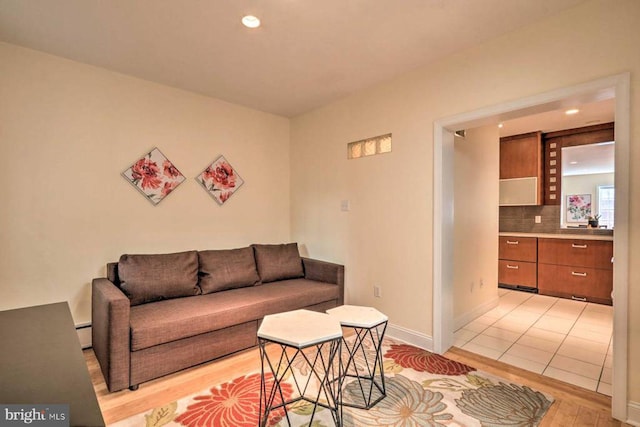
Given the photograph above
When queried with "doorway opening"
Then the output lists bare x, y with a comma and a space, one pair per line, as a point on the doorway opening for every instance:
617, 86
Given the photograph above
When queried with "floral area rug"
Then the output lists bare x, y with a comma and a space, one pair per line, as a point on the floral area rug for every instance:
422, 389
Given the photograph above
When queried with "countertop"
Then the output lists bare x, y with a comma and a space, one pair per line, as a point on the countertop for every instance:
565, 235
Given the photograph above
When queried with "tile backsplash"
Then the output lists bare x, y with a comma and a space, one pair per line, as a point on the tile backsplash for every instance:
521, 219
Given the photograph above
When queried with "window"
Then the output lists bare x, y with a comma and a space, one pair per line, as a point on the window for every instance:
606, 202
369, 147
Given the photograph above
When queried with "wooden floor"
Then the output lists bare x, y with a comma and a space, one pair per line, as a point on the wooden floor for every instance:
573, 406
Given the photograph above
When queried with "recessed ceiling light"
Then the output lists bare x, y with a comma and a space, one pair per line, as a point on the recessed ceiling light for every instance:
572, 111
573, 163
250, 21
500, 125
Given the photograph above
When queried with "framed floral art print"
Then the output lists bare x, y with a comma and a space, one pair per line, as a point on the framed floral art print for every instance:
154, 176
578, 207
220, 180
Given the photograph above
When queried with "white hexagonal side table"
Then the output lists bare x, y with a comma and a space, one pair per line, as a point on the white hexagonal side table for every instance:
299, 332
364, 355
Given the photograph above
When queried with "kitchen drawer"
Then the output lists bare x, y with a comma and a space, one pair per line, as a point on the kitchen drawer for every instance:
518, 248
517, 273
594, 284
579, 253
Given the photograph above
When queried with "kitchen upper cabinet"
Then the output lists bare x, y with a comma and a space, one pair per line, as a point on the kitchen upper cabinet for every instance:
522, 170
521, 156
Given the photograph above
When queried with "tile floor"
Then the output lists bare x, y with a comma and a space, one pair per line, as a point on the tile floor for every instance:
559, 338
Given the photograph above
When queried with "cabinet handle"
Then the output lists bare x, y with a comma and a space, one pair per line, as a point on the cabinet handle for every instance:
512, 242
575, 298
513, 267
573, 245
573, 273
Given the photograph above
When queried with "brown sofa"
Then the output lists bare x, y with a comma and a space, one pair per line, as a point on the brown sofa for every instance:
157, 314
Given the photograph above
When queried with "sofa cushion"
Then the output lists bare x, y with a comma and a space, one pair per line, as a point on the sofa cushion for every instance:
227, 269
278, 262
170, 320
147, 278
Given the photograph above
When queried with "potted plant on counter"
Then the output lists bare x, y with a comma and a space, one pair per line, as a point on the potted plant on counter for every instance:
593, 220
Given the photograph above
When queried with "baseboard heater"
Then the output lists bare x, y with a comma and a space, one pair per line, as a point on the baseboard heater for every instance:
518, 288
84, 335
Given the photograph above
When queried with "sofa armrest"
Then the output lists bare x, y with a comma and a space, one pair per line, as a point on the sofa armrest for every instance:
323, 271
110, 332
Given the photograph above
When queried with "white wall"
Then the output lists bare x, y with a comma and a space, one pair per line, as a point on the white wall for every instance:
388, 235
476, 196
68, 130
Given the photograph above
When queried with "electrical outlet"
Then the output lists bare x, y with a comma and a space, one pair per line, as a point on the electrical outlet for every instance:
538, 219
377, 291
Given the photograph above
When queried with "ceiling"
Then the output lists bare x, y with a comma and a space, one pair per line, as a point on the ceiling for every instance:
578, 160
589, 114
305, 55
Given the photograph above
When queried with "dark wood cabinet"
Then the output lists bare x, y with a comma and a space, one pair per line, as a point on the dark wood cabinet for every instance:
579, 253
518, 248
517, 273
517, 263
522, 156
578, 283
577, 269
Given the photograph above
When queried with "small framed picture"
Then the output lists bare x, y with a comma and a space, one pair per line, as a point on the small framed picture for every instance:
220, 180
578, 207
154, 176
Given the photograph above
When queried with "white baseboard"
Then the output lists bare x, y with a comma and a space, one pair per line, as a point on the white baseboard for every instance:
467, 317
633, 413
410, 336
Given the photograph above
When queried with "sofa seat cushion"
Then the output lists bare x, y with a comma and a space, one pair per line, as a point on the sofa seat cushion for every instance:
169, 320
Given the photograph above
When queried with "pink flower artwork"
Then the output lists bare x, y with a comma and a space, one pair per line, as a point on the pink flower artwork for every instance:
154, 176
578, 207
220, 180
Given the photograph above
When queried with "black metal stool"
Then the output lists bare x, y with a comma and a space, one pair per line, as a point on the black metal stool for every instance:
364, 360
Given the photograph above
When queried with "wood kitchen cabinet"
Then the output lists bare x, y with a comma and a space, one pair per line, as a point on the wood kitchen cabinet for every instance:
522, 156
576, 269
517, 262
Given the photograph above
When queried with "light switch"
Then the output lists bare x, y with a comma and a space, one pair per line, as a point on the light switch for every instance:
345, 205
